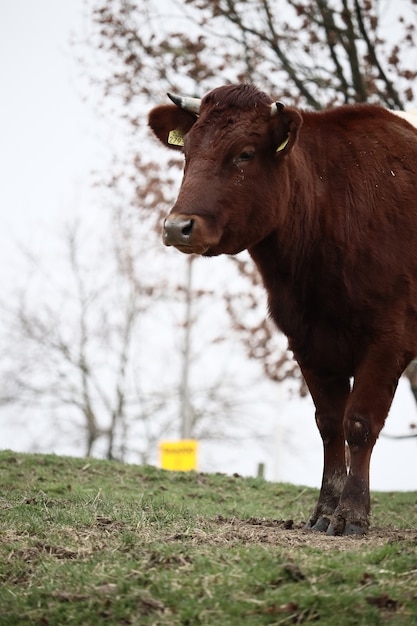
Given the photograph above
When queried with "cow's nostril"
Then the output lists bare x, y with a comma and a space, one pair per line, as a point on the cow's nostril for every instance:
186, 230
178, 231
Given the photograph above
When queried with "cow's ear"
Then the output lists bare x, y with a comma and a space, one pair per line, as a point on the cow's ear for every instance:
286, 123
170, 123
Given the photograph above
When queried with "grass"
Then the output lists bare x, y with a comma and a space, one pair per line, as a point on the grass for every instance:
95, 542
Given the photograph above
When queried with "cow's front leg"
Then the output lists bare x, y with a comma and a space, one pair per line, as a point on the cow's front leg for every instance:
367, 408
330, 396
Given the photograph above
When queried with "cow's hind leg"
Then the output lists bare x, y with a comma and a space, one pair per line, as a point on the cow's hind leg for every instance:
368, 405
330, 396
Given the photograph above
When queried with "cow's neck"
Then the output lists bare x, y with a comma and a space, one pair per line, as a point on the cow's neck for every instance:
274, 263
285, 254
287, 277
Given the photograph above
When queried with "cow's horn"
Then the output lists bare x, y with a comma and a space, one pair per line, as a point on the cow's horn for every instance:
275, 107
184, 102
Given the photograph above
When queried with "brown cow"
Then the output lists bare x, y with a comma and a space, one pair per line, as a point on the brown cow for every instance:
326, 205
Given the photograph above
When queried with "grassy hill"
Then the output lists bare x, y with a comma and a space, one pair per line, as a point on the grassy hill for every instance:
88, 542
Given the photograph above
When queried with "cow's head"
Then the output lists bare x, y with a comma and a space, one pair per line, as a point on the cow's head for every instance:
236, 143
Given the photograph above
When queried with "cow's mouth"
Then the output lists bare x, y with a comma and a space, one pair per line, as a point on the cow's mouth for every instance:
190, 249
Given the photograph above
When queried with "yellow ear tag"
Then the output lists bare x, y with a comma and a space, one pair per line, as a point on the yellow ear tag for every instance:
176, 138
283, 144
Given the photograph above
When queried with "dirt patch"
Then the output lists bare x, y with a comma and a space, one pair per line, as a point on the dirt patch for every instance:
285, 533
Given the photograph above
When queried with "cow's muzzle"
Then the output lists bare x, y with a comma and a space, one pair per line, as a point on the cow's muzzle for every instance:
178, 231
191, 234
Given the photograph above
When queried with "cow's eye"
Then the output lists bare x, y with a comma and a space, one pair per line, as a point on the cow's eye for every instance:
246, 155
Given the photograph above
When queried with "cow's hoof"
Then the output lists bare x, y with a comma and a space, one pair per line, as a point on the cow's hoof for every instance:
319, 526
346, 529
355, 529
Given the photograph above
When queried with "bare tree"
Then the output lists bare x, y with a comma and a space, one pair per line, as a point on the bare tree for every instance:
73, 343
312, 52
94, 341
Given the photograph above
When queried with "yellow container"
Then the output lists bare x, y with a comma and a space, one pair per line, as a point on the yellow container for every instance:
178, 456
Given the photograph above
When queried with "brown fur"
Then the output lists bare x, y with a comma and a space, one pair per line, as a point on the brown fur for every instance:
331, 223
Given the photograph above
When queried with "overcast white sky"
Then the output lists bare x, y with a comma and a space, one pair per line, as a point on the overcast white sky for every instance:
50, 140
